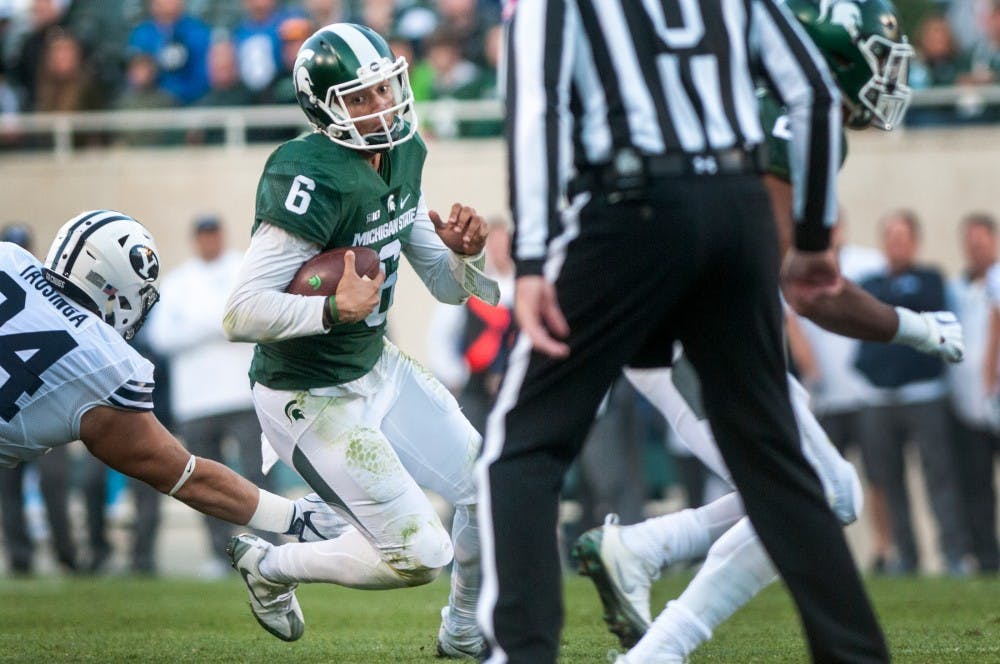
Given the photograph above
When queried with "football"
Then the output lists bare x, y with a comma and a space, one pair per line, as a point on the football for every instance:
320, 274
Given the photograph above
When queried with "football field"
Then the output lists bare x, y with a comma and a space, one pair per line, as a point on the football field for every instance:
121, 619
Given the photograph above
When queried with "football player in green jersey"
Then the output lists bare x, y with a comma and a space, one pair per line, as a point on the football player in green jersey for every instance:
868, 55
363, 424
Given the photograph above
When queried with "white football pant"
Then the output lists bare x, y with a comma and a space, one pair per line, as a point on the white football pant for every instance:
367, 447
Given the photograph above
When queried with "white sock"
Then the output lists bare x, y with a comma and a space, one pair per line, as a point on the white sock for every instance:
683, 535
736, 569
465, 573
675, 633
350, 560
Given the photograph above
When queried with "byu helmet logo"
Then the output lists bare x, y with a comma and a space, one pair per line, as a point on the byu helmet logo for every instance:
144, 262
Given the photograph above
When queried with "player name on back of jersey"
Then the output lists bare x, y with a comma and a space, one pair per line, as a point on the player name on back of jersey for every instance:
386, 230
32, 275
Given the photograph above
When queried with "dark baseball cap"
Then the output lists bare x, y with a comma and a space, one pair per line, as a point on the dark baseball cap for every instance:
19, 234
207, 224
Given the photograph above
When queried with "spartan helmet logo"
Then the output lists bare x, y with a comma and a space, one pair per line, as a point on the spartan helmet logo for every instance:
144, 262
390, 203
303, 82
845, 13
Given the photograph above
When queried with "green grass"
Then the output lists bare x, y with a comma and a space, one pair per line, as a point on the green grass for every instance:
175, 620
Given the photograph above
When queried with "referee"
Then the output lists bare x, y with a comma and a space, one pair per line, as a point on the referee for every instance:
641, 218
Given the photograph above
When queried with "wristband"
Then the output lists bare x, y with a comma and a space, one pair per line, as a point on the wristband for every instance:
331, 310
188, 472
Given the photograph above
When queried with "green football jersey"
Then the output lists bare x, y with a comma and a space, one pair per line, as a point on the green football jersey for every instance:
330, 195
774, 121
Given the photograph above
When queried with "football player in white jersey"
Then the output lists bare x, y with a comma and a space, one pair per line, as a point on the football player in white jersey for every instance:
67, 373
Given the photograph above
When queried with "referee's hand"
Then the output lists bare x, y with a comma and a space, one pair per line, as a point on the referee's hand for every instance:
539, 316
808, 276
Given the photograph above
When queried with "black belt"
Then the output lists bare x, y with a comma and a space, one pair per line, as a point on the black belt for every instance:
630, 171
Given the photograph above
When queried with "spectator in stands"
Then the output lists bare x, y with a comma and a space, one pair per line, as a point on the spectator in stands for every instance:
46, 16
65, 82
455, 77
187, 329
9, 102
468, 21
976, 421
379, 15
938, 60
142, 89
421, 74
178, 43
53, 481
258, 44
292, 31
325, 12
225, 89
984, 58
910, 405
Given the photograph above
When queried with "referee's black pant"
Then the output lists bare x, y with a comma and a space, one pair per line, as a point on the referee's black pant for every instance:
696, 260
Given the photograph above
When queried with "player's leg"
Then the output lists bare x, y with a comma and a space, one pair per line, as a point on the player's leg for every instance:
53, 472
660, 389
17, 539
929, 426
839, 477
883, 445
744, 385
438, 447
333, 441
736, 569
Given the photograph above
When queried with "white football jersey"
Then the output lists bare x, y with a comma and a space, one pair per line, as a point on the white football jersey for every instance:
57, 361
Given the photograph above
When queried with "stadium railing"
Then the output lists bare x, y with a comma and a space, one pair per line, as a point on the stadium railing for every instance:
954, 105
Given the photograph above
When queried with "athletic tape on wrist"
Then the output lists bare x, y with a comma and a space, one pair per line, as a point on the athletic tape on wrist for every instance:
188, 471
273, 514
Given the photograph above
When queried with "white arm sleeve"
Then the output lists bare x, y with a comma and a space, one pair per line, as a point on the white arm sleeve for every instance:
439, 267
258, 308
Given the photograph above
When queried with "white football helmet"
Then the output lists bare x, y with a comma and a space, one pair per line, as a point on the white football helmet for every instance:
108, 263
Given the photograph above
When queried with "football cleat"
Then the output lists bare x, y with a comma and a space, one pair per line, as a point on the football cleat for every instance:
315, 521
469, 645
620, 577
273, 604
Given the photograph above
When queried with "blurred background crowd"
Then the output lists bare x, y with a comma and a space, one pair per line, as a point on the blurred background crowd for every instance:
74, 55
924, 435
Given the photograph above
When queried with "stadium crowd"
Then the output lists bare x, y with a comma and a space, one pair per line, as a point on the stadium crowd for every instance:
63, 55
69, 55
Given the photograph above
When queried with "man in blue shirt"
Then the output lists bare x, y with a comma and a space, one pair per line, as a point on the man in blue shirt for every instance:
179, 44
910, 404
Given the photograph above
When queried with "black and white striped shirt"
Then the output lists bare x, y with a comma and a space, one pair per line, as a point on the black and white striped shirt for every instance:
585, 77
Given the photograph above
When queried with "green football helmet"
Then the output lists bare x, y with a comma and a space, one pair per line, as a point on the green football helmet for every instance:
867, 52
343, 58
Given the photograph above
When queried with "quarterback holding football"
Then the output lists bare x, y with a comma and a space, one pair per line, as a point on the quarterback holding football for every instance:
364, 425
